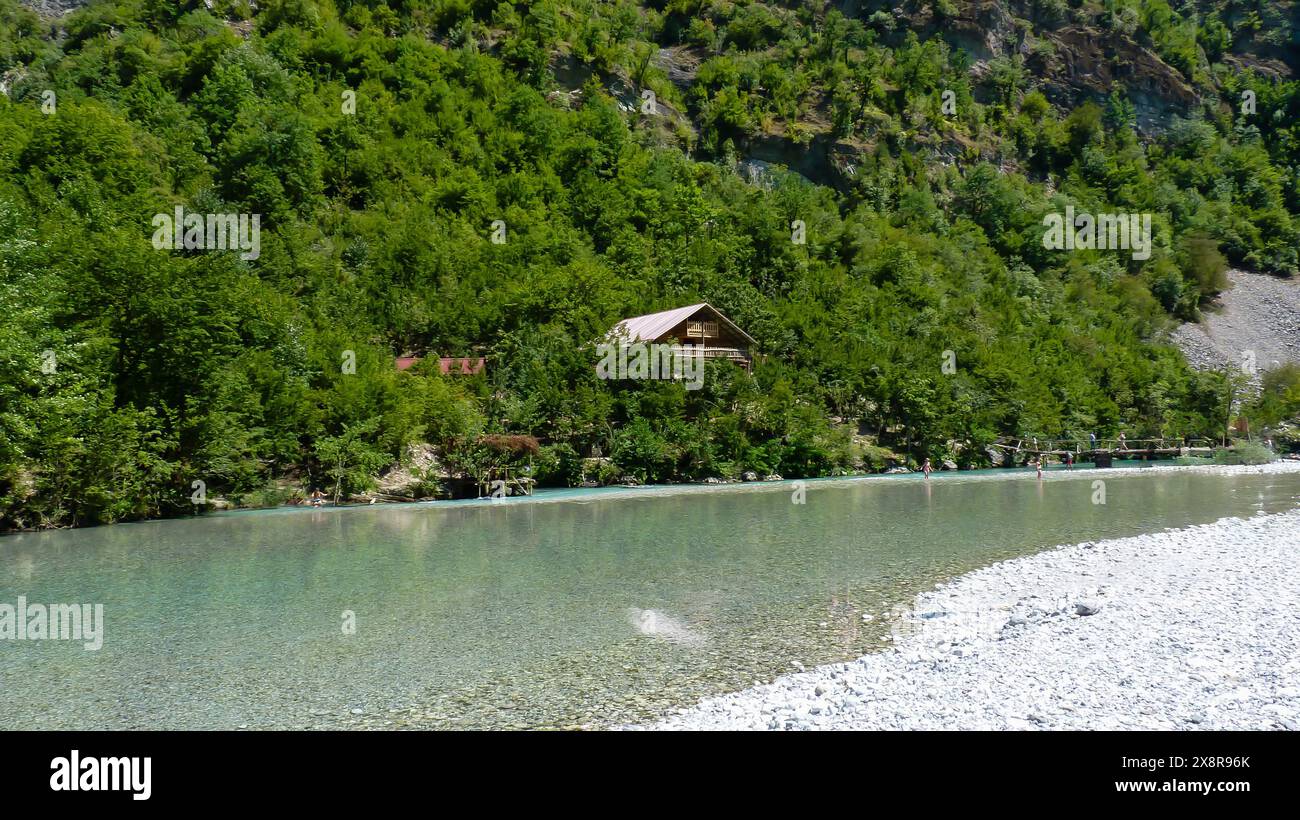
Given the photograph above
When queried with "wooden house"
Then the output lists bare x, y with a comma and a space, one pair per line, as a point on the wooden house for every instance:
709, 333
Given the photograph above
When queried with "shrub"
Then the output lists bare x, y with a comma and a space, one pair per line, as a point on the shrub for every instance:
1243, 452
558, 465
1205, 265
273, 496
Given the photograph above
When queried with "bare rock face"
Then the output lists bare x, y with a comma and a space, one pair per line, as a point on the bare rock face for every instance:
985, 28
1088, 67
1085, 63
53, 8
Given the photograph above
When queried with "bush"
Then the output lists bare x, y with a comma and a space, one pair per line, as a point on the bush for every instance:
1279, 397
872, 457
273, 496
643, 453
601, 471
558, 465
1205, 265
349, 460
1243, 452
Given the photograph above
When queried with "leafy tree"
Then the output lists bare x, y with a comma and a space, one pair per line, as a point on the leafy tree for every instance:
349, 460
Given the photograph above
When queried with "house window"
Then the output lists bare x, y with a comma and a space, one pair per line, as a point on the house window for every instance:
701, 330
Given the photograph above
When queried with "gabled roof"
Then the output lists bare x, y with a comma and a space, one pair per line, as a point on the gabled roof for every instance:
652, 326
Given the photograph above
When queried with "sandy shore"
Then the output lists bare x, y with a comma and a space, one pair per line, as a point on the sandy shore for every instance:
1182, 629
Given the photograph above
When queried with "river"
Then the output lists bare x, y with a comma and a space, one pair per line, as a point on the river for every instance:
574, 608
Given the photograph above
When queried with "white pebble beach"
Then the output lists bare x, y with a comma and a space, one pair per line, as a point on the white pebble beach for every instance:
1192, 628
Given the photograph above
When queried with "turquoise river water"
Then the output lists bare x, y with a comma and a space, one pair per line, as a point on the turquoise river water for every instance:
574, 608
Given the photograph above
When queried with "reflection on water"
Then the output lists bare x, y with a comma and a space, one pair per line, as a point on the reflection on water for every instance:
605, 608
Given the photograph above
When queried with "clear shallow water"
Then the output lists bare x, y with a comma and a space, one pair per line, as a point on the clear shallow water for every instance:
530, 614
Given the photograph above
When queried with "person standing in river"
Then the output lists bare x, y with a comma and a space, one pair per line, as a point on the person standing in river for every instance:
925, 468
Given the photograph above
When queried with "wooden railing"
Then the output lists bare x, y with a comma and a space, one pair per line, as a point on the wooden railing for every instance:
1029, 445
734, 354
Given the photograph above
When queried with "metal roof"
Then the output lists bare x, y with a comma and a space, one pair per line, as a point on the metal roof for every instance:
652, 326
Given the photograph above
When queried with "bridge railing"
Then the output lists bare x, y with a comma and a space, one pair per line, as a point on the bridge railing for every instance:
1031, 445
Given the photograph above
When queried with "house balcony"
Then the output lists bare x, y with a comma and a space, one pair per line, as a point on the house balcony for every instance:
735, 355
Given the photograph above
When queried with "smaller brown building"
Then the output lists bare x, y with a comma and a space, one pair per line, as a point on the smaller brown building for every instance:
449, 365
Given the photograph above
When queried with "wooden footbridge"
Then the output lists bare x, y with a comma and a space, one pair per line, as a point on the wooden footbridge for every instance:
1103, 451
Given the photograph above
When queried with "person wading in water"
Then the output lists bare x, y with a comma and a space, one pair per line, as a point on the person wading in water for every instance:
925, 468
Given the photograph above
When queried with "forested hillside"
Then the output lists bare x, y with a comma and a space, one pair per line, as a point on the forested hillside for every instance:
386, 145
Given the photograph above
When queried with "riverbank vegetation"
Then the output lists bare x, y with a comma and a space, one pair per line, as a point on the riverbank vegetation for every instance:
1243, 452
129, 373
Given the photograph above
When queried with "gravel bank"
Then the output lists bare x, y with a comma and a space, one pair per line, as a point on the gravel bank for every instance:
1196, 628
1260, 313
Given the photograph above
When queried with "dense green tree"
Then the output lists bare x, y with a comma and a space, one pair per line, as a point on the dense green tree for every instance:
479, 178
